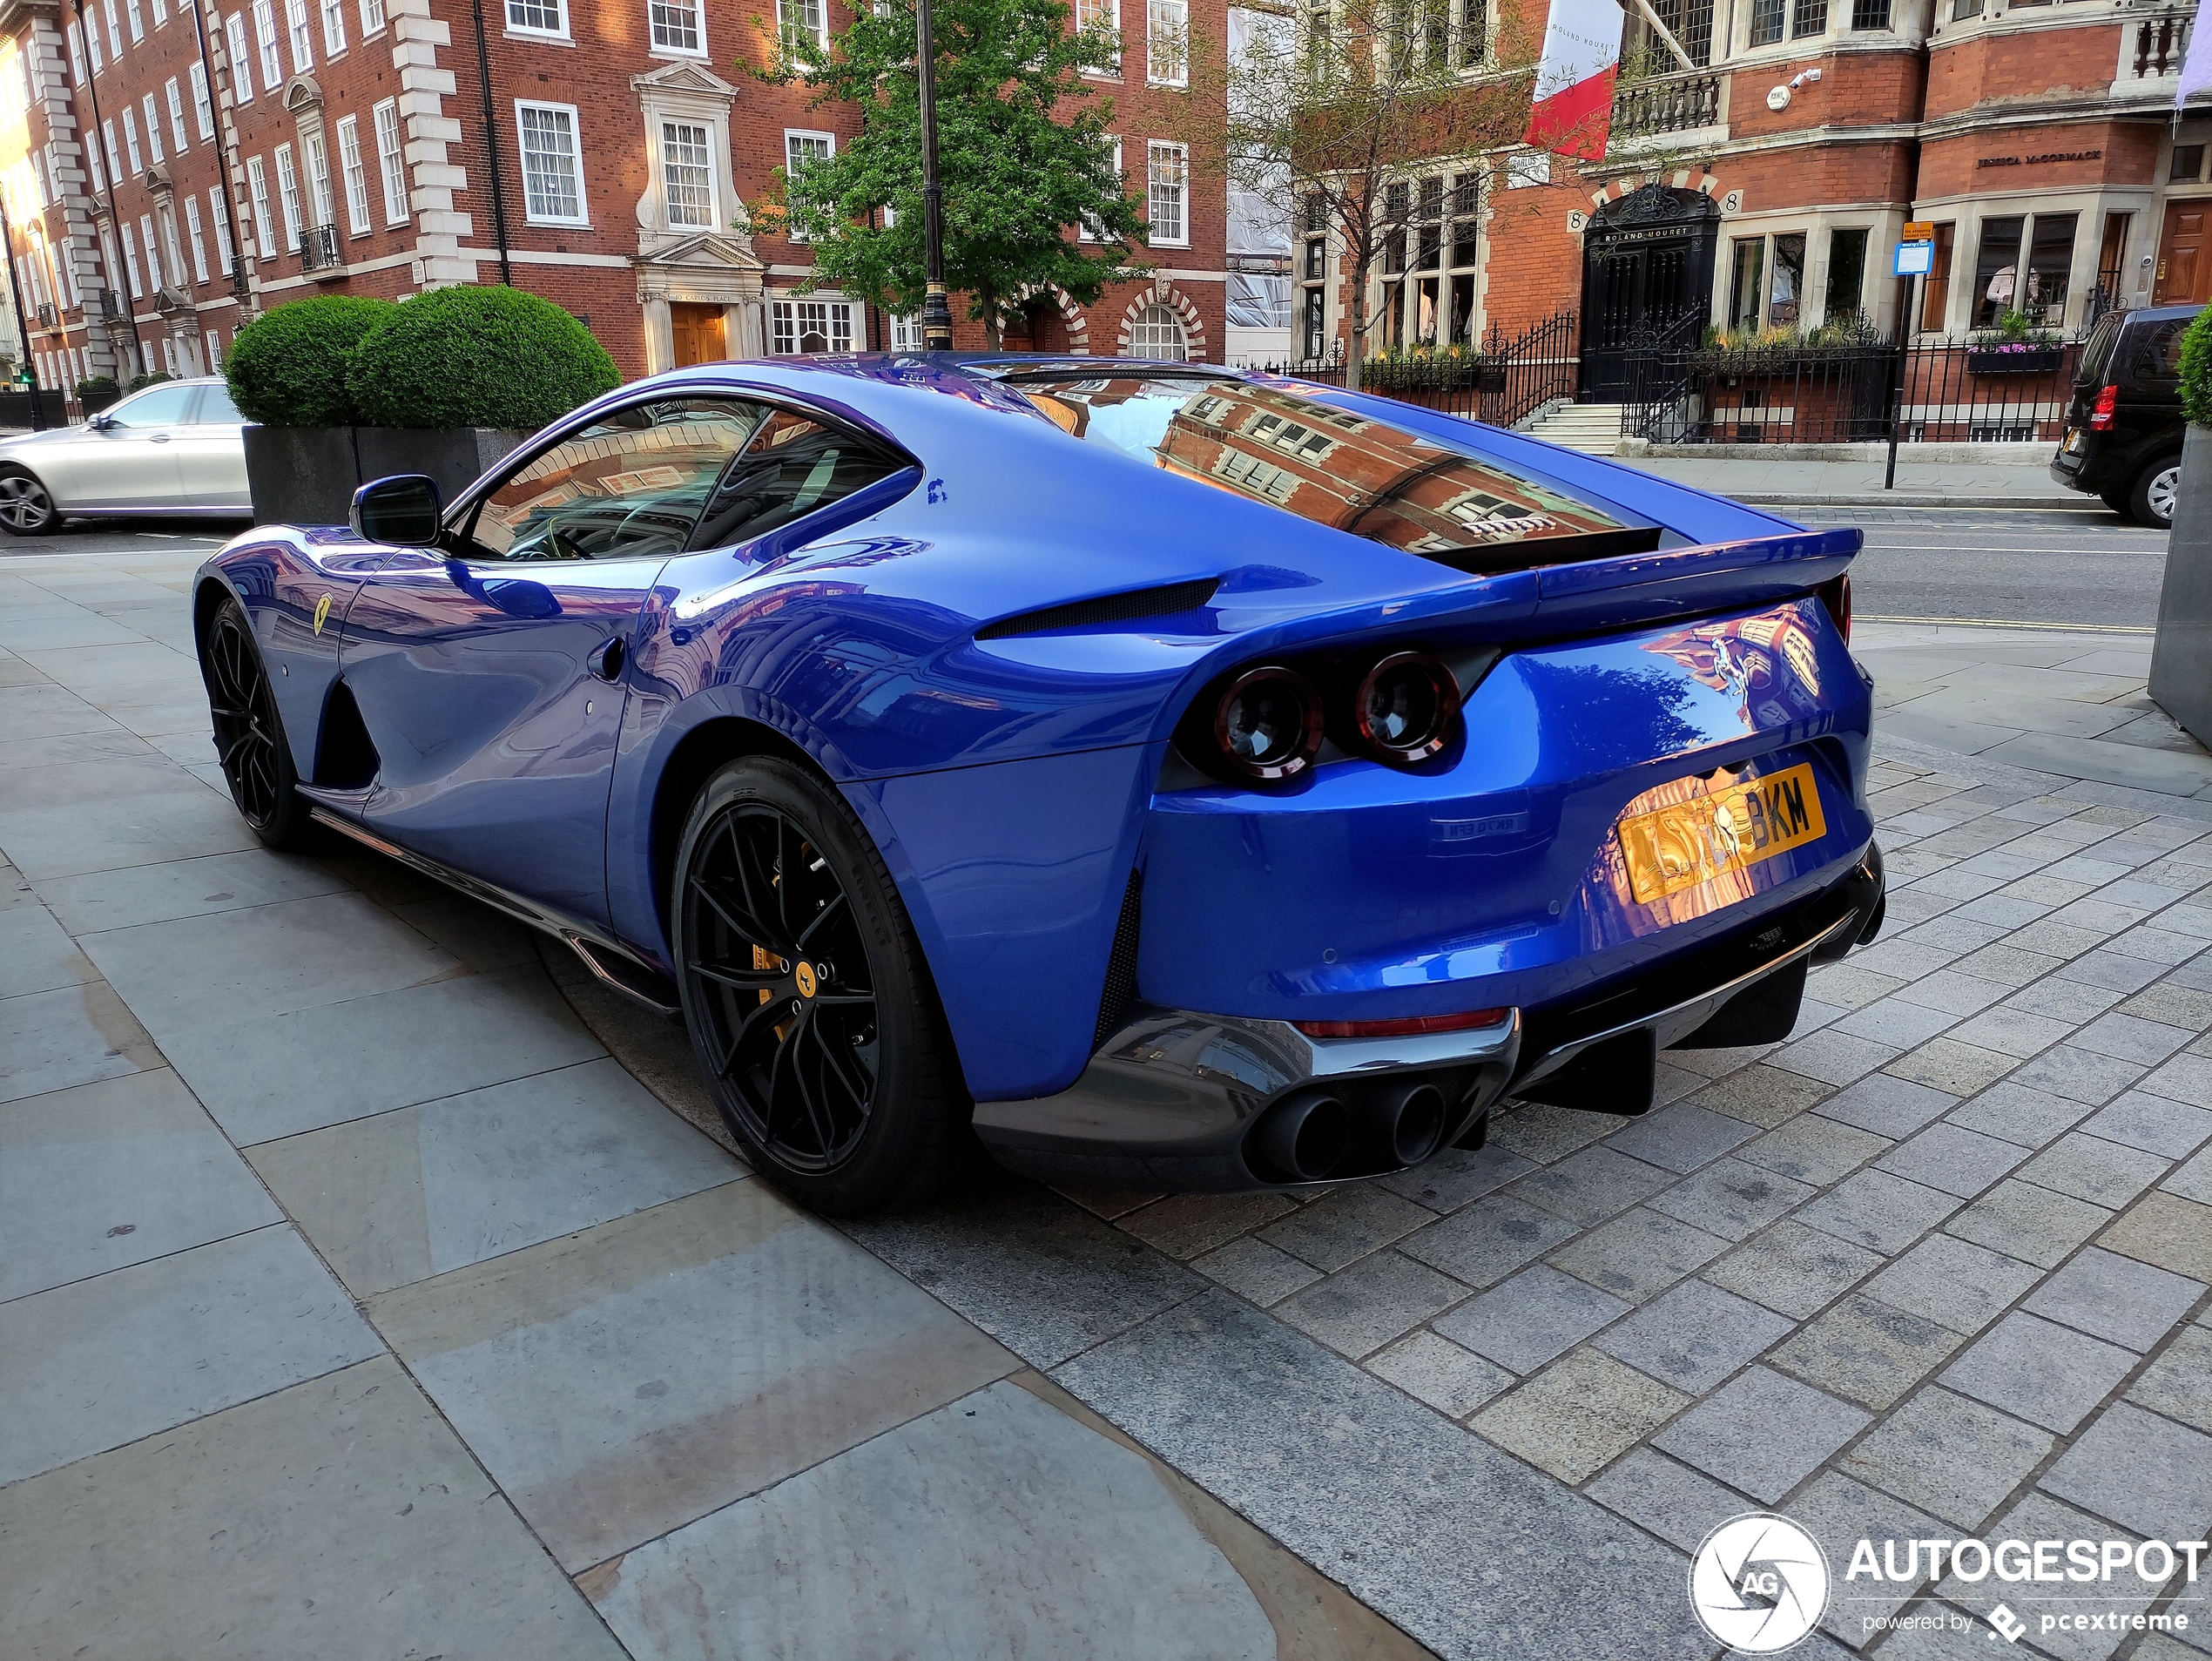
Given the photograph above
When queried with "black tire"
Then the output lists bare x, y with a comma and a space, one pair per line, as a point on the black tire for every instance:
2117, 501
2150, 499
250, 743
26, 506
810, 1009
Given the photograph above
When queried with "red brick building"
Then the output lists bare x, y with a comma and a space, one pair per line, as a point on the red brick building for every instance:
1766, 186
167, 175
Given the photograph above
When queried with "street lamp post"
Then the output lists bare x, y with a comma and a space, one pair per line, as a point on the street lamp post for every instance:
936, 310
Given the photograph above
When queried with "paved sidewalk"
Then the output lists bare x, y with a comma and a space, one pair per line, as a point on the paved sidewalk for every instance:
1845, 484
356, 1300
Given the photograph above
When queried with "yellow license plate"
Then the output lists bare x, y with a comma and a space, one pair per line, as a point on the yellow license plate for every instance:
1685, 843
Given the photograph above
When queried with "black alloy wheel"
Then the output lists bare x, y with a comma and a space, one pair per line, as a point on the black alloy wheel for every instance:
249, 735
26, 506
810, 1010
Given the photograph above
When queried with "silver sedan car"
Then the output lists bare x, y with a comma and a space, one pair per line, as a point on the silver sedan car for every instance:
174, 449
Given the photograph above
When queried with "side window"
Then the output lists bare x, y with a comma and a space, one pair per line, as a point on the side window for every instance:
2160, 356
792, 467
216, 408
155, 406
630, 486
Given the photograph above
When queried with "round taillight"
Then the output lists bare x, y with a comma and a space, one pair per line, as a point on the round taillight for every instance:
1268, 724
1404, 707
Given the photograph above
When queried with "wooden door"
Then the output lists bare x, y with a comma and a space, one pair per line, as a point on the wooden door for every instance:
698, 334
2184, 269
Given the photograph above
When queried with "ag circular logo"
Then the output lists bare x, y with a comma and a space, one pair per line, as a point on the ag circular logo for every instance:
1759, 1584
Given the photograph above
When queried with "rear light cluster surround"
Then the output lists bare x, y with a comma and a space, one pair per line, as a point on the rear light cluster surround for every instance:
1269, 723
2102, 412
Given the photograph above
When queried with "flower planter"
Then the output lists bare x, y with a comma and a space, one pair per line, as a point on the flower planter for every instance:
308, 475
2181, 661
1997, 360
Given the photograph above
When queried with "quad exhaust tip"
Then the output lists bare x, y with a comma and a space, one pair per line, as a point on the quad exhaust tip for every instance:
1304, 1137
1314, 1136
1411, 1120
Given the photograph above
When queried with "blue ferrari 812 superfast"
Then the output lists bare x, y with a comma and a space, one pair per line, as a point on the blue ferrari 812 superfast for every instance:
1168, 777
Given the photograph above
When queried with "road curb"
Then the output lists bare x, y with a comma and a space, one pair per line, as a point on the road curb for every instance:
1916, 499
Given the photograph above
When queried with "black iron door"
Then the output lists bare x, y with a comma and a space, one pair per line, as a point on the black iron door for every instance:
1646, 271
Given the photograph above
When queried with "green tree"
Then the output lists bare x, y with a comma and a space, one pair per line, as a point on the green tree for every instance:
1023, 155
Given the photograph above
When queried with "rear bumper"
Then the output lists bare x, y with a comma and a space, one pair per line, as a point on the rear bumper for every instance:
1176, 1100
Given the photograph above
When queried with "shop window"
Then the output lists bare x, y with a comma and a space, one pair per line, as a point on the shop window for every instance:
2188, 164
2050, 269
1766, 22
1746, 280
1846, 276
1997, 269
1439, 251
806, 327
1808, 17
1787, 284
1935, 296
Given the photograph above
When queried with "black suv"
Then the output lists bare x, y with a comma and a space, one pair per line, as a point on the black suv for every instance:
2124, 426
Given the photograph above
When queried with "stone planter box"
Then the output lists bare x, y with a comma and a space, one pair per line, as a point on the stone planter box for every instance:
2039, 359
2181, 662
307, 475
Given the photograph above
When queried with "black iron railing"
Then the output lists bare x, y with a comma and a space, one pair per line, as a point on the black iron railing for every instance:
319, 248
1509, 379
1939, 390
47, 317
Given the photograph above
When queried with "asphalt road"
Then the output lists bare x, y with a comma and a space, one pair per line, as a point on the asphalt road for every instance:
2055, 566
2034, 566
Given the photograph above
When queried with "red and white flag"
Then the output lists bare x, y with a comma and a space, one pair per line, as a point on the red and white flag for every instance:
1574, 97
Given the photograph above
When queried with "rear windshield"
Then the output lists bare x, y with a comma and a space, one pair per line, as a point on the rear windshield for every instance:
1369, 477
2098, 353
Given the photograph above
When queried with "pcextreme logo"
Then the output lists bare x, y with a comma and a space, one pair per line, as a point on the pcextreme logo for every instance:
1760, 1583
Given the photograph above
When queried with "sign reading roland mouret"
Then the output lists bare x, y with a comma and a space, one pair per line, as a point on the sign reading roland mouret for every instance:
2048, 155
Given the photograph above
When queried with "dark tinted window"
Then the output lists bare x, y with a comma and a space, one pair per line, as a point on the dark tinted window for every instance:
2158, 351
2098, 353
793, 466
628, 486
1373, 478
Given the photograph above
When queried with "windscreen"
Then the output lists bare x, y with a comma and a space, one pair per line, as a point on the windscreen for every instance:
2098, 353
1373, 478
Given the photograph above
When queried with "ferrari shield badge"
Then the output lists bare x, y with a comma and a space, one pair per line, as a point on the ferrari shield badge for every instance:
322, 612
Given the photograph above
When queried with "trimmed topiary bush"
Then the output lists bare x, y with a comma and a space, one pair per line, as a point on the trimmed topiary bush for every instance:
2196, 370
97, 385
477, 357
288, 366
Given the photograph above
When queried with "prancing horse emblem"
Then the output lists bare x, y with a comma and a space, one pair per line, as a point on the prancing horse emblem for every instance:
805, 977
322, 612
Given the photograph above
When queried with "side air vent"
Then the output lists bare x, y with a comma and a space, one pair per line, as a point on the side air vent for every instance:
1121, 969
1165, 601
345, 757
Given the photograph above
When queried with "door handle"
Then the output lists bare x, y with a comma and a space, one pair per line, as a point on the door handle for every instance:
606, 661
160, 438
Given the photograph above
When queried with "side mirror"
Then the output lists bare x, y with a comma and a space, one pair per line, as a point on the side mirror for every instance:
405, 510
100, 422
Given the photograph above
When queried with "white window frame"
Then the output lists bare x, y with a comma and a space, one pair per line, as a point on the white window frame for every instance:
154, 253
138, 21
1168, 22
257, 184
220, 222
75, 38
203, 107
533, 211
198, 242
131, 147
669, 124
1162, 157
319, 196
154, 129
131, 263
391, 162
516, 13
902, 332
1107, 15
160, 12
333, 28
172, 249
114, 31
299, 29
355, 169
176, 92
265, 41
1086, 234
288, 196
795, 138
240, 56
214, 351
371, 18
664, 22
792, 18
787, 314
